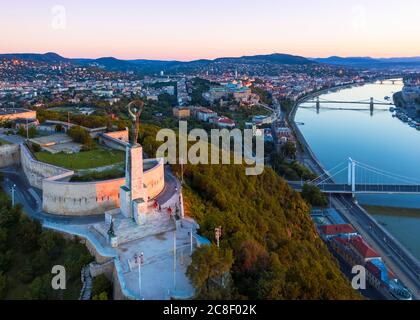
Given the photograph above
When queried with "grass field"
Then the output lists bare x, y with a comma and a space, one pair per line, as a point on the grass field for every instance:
99, 157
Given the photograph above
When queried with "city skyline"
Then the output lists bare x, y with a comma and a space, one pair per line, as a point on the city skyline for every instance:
187, 30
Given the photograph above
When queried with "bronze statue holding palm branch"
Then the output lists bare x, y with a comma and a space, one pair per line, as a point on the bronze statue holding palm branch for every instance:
135, 114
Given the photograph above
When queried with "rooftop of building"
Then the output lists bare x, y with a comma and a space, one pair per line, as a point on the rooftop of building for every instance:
204, 110
336, 229
363, 248
379, 269
225, 120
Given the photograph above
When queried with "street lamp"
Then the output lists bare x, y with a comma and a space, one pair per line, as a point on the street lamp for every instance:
13, 195
139, 261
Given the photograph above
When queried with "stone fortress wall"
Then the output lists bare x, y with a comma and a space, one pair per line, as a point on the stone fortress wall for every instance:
62, 197
9, 155
36, 171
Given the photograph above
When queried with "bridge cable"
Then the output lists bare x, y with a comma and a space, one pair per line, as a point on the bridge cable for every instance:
388, 174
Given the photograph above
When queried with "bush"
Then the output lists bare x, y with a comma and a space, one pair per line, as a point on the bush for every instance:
101, 296
36, 147
209, 272
80, 135
101, 288
3, 285
314, 196
30, 133
27, 254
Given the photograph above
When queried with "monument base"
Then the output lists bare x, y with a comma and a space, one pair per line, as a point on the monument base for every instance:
125, 202
140, 211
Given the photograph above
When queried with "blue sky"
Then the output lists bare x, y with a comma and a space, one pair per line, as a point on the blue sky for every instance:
190, 29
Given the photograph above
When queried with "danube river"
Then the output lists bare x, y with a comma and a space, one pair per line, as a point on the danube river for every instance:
378, 140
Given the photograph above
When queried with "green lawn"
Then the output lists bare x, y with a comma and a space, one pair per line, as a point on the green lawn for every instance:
99, 157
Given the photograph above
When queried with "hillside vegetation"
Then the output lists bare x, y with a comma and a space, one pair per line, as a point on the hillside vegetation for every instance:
269, 245
28, 253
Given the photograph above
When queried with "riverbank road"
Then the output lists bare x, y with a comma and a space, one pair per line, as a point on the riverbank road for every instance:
358, 219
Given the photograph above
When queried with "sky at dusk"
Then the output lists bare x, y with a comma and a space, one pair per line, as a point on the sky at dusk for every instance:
191, 29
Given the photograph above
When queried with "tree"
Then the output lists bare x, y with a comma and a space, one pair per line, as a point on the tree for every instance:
314, 196
286, 105
29, 233
102, 296
80, 135
101, 288
32, 132
22, 131
209, 272
289, 150
40, 289
59, 128
3, 285
51, 243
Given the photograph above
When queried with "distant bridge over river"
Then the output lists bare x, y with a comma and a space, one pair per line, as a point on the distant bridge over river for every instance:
371, 103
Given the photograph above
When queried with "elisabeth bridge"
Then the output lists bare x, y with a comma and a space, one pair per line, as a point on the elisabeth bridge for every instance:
362, 179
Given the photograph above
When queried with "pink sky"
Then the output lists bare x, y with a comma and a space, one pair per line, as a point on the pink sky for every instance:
191, 29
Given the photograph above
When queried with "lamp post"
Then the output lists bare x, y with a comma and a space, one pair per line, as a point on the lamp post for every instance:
139, 261
174, 260
13, 195
191, 240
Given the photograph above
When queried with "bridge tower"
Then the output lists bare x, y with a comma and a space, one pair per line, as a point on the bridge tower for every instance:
372, 106
352, 175
318, 105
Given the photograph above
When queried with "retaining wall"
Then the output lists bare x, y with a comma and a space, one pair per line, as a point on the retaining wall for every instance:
9, 155
36, 171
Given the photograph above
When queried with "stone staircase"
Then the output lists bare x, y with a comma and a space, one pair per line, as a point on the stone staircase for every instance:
86, 292
127, 230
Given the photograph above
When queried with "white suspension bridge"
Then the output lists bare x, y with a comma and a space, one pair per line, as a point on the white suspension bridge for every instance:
362, 179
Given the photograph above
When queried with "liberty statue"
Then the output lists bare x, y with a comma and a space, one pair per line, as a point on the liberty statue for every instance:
135, 114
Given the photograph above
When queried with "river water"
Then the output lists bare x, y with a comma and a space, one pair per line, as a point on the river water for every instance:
377, 140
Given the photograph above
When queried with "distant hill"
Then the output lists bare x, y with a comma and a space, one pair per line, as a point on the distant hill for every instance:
154, 66
114, 64
347, 61
401, 60
276, 58
367, 62
37, 57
